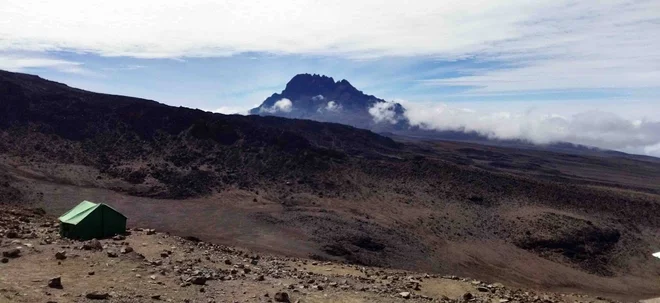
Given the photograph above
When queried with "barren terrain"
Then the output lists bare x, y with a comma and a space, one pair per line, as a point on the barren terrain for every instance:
531, 218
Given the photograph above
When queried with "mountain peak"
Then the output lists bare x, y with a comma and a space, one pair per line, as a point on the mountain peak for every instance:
314, 84
321, 98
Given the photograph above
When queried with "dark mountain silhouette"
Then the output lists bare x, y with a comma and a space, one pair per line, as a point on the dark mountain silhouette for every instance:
321, 98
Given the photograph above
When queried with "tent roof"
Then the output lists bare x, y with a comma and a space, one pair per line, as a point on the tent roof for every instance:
78, 213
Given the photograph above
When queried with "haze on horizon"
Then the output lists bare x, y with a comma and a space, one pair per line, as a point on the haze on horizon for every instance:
542, 71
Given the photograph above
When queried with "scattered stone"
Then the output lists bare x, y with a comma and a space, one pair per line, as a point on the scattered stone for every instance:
151, 232
260, 278
156, 297
91, 273
467, 296
126, 250
227, 261
112, 254
4, 260
60, 255
12, 235
483, 289
97, 295
55, 283
119, 238
281, 297
405, 295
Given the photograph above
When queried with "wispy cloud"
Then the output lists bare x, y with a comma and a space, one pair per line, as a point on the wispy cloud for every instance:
127, 67
22, 62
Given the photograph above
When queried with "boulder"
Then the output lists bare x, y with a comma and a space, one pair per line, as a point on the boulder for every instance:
60, 255
55, 283
198, 280
93, 244
12, 253
281, 297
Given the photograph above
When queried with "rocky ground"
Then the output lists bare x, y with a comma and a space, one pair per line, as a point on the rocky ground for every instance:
148, 266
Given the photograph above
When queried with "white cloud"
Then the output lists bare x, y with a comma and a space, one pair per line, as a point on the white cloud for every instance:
318, 98
284, 105
550, 44
230, 110
333, 106
559, 122
383, 112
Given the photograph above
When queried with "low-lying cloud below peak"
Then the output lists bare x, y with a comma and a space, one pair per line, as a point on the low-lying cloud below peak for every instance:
283, 105
590, 127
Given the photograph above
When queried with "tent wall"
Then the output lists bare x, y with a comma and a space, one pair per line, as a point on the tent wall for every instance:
113, 222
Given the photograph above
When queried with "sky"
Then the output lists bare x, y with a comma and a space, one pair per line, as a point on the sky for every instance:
586, 72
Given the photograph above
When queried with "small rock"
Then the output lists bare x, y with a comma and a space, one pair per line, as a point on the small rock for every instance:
112, 254
405, 295
119, 238
55, 283
4, 260
126, 250
60, 255
281, 297
97, 295
156, 297
483, 289
227, 261
91, 273
467, 296
151, 232
12, 235
260, 278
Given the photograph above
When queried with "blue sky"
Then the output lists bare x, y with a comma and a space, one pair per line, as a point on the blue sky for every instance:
543, 71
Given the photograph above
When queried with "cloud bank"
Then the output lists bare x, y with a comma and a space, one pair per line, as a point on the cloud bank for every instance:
593, 127
538, 45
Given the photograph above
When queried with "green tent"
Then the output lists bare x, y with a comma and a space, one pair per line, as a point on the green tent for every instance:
91, 220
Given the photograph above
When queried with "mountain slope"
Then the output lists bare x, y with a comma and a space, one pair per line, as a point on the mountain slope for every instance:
529, 218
